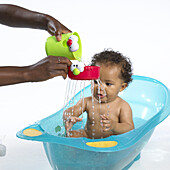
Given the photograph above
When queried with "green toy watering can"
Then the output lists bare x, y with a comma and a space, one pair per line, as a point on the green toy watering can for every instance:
70, 46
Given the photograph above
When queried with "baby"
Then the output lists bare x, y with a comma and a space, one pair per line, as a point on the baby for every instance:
107, 113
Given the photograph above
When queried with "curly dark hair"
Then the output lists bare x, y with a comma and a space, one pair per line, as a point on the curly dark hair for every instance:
111, 57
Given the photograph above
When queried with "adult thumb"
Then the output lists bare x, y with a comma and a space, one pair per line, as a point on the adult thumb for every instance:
58, 35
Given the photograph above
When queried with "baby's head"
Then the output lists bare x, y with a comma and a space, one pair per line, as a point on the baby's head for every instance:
115, 73
112, 58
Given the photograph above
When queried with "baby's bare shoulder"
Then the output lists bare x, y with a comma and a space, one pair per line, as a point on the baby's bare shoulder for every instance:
123, 103
88, 99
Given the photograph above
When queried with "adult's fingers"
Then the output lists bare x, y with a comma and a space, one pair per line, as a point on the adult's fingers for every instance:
58, 35
65, 60
56, 73
54, 66
60, 60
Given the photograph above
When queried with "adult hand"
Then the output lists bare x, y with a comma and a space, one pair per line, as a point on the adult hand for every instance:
48, 68
45, 69
16, 16
54, 27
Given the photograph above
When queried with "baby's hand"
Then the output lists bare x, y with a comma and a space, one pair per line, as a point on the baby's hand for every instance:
107, 123
71, 121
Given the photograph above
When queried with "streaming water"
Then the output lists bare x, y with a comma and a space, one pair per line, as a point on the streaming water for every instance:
99, 92
82, 90
82, 103
73, 98
107, 110
93, 122
66, 94
74, 86
102, 86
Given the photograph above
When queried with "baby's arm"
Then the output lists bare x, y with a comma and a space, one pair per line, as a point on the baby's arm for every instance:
125, 123
71, 115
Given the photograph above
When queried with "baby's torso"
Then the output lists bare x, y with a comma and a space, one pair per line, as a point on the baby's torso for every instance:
94, 111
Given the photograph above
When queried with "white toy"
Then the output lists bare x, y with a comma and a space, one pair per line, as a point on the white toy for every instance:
77, 67
73, 43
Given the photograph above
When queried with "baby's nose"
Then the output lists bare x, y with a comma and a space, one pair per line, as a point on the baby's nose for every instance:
101, 86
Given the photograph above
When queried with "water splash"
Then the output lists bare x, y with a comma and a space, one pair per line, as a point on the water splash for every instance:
72, 86
92, 91
83, 104
73, 98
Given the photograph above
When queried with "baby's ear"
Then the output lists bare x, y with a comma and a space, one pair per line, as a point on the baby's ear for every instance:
124, 85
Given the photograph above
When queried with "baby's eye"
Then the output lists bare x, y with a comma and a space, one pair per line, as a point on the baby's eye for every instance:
108, 84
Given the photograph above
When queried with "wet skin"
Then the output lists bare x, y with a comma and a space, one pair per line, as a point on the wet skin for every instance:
112, 117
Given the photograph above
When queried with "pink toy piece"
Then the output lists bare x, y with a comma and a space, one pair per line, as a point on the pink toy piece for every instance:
89, 73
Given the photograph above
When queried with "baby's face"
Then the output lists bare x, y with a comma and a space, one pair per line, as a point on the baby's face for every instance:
110, 84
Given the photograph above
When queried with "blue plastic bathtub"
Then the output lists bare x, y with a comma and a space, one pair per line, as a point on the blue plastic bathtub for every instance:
150, 102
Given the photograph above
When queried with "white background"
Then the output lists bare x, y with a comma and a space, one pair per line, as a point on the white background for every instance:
137, 28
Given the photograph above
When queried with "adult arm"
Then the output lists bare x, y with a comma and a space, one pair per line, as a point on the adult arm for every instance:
15, 16
45, 69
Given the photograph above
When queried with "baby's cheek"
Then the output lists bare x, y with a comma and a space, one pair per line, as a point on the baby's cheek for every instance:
95, 89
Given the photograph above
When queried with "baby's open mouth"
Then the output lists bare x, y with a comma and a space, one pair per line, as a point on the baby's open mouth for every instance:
101, 95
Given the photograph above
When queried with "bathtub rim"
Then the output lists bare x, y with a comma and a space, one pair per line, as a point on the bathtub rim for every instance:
134, 135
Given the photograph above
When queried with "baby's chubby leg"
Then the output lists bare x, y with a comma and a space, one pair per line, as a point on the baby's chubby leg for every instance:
77, 133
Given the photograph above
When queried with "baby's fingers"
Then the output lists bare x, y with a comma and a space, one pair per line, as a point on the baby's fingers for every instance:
104, 117
106, 125
106, 129
67, 125
78, 119
75, 119
105, 121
